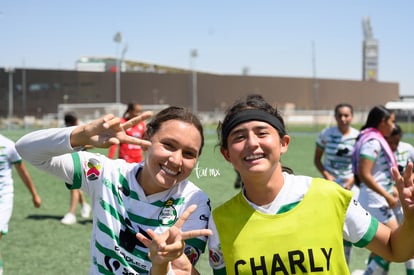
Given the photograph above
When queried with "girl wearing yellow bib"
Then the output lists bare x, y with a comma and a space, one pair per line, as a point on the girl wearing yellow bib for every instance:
286, 224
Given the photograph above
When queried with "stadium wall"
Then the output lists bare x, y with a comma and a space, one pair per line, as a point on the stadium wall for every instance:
39, 92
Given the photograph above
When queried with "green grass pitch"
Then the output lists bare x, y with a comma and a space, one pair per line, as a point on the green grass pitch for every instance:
37, 243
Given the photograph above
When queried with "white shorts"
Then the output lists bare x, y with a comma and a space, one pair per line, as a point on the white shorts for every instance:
383, 214
6, 208
399, 214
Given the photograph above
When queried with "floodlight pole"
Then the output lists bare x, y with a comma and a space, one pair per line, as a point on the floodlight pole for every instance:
193, 55
315, 86
10, 70
118, 82
24, 91
117, 40
124, 50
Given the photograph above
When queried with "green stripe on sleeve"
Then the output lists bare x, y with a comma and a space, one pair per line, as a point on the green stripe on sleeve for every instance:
369, 235
367, 157
77, 173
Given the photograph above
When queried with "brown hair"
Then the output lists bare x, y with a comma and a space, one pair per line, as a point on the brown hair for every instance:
177, 113
252, 102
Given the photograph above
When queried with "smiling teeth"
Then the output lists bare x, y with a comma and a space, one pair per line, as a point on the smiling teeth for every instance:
169, 171
253, 157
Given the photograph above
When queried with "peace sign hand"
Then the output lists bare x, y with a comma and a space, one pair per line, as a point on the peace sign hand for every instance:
169, 246
106, 131
405, 187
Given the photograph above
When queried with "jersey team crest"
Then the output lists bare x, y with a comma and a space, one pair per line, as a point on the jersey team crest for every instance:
168, 214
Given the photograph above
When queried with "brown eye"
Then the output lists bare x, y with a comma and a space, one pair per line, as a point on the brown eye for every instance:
168, 146
237, 138
189, 154
262, 133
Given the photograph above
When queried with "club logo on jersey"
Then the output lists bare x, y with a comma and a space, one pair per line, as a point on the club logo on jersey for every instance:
93, 169
168, 214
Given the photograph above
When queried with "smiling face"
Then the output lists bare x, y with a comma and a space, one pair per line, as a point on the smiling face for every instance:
171, 157
255, 147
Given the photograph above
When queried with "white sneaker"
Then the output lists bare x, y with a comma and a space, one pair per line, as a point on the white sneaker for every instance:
68, 219
85, 210
358, 272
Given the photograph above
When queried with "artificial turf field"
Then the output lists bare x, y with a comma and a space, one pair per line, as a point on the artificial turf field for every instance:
38, 244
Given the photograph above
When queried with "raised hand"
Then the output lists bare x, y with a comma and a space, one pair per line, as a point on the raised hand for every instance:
106, 131
169, 246
405, 187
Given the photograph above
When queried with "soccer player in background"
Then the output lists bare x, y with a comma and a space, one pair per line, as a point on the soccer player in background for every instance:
335, 145
130, 152
76, 195
9, 157
373, 160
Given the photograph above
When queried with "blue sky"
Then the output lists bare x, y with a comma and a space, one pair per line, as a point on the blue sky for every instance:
271, 38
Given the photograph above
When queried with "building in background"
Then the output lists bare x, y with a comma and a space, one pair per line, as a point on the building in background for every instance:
108, 64
38, 93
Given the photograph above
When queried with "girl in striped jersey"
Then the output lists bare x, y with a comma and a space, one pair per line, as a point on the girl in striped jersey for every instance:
282, 223
149, 198
373, 160
335, 145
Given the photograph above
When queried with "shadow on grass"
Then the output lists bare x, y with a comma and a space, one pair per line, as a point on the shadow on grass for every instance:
44, 217
56, 217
